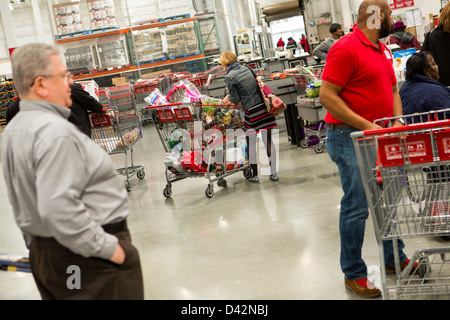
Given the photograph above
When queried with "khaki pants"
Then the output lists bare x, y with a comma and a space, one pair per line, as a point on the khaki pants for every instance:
52, 266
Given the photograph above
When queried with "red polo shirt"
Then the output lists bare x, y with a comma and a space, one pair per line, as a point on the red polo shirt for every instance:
366, 75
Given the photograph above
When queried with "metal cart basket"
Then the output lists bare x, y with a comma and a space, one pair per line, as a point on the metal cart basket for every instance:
406, 176
117, 132
201, 140
312, 113
121, 98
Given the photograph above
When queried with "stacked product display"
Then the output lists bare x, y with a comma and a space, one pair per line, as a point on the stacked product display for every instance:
181, 40
7, 95
101, 14
148, 46
67, 18
175, 44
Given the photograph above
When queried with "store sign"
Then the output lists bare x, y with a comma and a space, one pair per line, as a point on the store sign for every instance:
398, 4
244, 41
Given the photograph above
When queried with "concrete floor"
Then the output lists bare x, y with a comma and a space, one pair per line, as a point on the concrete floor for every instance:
268, 241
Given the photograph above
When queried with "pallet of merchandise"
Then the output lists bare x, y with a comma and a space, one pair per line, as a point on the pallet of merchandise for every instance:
173, 18
101, 30
159, 59
144, 62
73, 34
147, 22
184, 55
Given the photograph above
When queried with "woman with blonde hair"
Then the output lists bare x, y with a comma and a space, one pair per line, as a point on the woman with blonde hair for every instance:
439, 45
244, 90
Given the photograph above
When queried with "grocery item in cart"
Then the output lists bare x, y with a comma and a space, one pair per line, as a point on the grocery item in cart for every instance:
193, 162
172, 163
129, 137
183, 91
156, 98
313, 89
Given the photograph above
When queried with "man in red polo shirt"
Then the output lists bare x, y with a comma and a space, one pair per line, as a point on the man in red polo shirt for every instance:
359, 86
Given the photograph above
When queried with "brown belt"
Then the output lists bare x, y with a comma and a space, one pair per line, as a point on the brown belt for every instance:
339, 126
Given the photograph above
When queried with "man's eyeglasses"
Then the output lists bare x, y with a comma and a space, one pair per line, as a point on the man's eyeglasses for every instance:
67, 75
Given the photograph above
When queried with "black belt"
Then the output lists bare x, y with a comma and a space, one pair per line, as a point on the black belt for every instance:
116, 227
110, 228
339, 126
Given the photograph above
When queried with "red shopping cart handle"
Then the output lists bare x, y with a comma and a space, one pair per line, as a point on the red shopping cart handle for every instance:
164, 105
409, 127
180, 103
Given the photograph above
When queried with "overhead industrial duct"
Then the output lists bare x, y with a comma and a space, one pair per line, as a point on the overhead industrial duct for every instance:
283, 10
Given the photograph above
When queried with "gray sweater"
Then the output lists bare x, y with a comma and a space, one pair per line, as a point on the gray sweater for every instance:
322, 50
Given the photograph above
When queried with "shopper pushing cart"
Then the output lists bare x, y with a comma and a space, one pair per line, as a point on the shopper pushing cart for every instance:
201, 141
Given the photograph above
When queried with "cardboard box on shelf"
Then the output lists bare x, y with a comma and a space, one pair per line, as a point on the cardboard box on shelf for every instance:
91, 87
119, 81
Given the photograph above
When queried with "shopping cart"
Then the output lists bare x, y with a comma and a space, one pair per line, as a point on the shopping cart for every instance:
406, 176
303, 77
117, 132
121, 98
311, 112
311, 116
141, 90
201, 141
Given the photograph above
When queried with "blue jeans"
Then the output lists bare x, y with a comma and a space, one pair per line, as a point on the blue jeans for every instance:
354, 207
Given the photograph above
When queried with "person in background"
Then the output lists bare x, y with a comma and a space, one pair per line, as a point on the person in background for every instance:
438, 44
422, 91
82, 103
359, 86
322, 50
12, 109
291, 45
303, 43
243, 89
280, 43
436, 23
66, 196
402, 38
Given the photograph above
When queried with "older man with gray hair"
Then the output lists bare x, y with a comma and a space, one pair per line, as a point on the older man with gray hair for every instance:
67, 198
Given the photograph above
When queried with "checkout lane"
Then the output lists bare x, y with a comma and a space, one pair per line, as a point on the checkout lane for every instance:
286, 88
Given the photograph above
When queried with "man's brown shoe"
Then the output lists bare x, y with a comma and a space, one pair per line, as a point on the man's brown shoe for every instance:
363, 288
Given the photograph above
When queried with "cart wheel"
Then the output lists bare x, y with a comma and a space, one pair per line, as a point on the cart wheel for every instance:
424, 267
248, 173
318, 148
304, 143
167, 191
222, 183
128, 186
209, 190
141, 174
